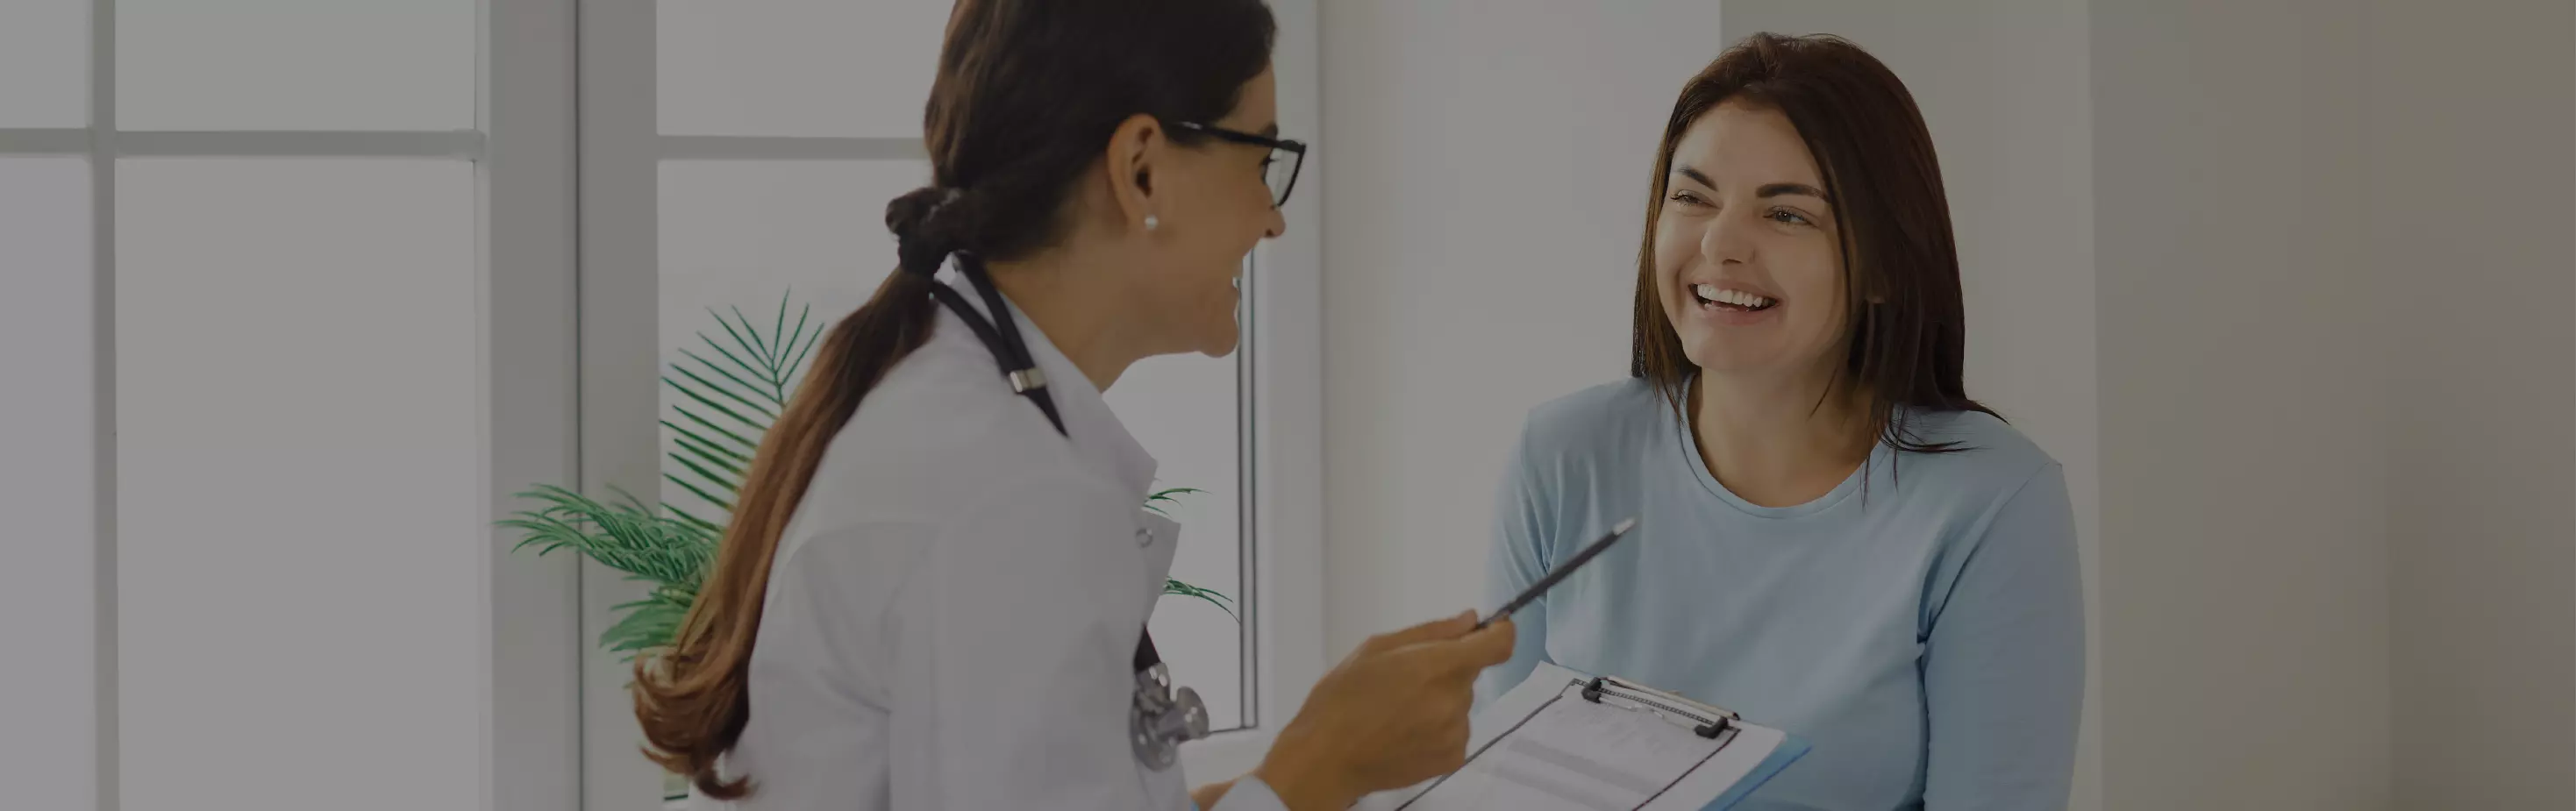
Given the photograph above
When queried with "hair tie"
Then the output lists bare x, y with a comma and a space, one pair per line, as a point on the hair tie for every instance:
923, 237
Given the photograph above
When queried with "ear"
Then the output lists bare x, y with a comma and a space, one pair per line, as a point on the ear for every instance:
1136, 152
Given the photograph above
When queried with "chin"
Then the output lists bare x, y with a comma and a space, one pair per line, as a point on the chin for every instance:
1726, 361
1222, 344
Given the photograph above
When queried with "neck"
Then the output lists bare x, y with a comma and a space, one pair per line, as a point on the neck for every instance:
1084, 321
1783, 441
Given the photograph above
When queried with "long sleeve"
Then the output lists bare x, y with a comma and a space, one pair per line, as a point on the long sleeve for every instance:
1519, 557
2003, 670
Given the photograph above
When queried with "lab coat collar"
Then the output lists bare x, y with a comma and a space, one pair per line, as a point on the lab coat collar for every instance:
1098, 435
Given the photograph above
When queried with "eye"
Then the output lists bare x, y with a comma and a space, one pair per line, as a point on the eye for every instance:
1787, 217
1686, 198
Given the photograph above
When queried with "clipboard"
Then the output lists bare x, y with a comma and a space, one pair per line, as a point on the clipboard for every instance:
1570, 741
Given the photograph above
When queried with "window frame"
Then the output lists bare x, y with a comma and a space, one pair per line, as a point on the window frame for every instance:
521, 147
619, 154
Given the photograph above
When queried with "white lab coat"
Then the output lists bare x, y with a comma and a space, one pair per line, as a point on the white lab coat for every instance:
954, 607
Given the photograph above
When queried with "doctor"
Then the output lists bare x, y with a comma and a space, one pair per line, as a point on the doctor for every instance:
935, 585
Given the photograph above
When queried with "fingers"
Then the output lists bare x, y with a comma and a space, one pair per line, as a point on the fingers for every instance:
1491, 645
1433, 631
1471, 653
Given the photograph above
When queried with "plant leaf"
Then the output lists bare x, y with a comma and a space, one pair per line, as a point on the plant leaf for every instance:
710, 526
748, 367
718, 480
768, 417
700, 492
748, 444
1178, 588
756, 426
758, 347
720, 371
714, 455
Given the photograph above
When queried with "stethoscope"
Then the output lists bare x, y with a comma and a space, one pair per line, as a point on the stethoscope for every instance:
1161, 717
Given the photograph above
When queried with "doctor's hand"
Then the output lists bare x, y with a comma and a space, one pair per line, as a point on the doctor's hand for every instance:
1392, 715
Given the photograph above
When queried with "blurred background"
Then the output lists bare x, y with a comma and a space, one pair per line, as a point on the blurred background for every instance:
299, 297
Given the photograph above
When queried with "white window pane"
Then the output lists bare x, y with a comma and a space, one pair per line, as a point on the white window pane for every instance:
301, 532
797, 67
44, 63
46, 470
1183, 409
753, 236
295, 64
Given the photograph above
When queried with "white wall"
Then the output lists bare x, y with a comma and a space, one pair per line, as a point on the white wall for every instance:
2473, 137
1486, 193
2244, 568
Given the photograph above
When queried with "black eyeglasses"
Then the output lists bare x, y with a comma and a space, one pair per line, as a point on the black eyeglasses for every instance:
1279, 171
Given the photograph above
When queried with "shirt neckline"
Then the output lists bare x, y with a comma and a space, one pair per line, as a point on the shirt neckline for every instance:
1686, 454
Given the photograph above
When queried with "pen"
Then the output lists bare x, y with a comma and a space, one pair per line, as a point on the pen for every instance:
1567, 568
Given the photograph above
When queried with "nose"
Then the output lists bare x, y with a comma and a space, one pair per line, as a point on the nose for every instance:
1278, 223
1727, 240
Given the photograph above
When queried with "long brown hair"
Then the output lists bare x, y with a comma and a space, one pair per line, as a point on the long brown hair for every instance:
1027, 96
1908, 348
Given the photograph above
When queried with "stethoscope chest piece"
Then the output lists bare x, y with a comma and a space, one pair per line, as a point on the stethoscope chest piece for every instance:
1162, 718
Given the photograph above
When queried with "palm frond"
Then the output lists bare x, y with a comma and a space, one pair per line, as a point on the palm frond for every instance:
705, 389
622, 534
701, 492
748, 444
732, 464
650, 623
1172, 587
1158, 498
759, 387
710, 404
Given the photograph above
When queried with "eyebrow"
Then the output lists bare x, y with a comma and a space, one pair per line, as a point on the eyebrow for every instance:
1801, 189
1767, 191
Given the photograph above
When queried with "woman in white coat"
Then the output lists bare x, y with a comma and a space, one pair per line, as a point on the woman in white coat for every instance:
933, 588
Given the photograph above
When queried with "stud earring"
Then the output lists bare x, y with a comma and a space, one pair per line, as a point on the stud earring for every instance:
1151, 222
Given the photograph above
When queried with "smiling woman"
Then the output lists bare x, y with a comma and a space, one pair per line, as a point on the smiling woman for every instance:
1798, 340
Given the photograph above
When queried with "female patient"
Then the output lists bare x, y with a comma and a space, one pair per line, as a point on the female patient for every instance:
1833, 538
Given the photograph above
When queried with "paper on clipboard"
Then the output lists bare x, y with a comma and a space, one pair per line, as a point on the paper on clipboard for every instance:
1544, 747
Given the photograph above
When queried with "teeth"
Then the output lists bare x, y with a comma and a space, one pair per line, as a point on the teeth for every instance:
1736, 297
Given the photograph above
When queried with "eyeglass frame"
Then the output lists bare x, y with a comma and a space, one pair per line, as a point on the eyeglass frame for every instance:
1297, 148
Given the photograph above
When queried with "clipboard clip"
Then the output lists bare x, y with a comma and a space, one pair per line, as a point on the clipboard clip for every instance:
1712, 721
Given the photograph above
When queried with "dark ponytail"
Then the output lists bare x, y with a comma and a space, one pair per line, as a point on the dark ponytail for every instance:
1027, 95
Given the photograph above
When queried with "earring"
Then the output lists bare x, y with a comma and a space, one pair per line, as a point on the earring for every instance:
1151, 222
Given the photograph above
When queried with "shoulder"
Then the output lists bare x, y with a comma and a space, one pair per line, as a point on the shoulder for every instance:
1990, 462
939, 437
1607, 416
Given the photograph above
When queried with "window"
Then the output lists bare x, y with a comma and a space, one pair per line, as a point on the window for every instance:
736, 160
244, 238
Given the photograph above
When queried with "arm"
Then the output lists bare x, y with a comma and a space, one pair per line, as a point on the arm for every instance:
2003, 672
1518, 557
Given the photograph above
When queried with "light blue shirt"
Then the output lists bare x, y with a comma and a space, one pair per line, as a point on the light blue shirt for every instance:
1921, 625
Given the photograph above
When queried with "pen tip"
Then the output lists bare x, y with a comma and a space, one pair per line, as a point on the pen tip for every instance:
1624, 526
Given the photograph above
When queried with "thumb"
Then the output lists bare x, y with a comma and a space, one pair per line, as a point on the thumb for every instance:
1433, 631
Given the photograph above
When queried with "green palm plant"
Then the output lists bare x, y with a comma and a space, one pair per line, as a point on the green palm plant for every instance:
730, 393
